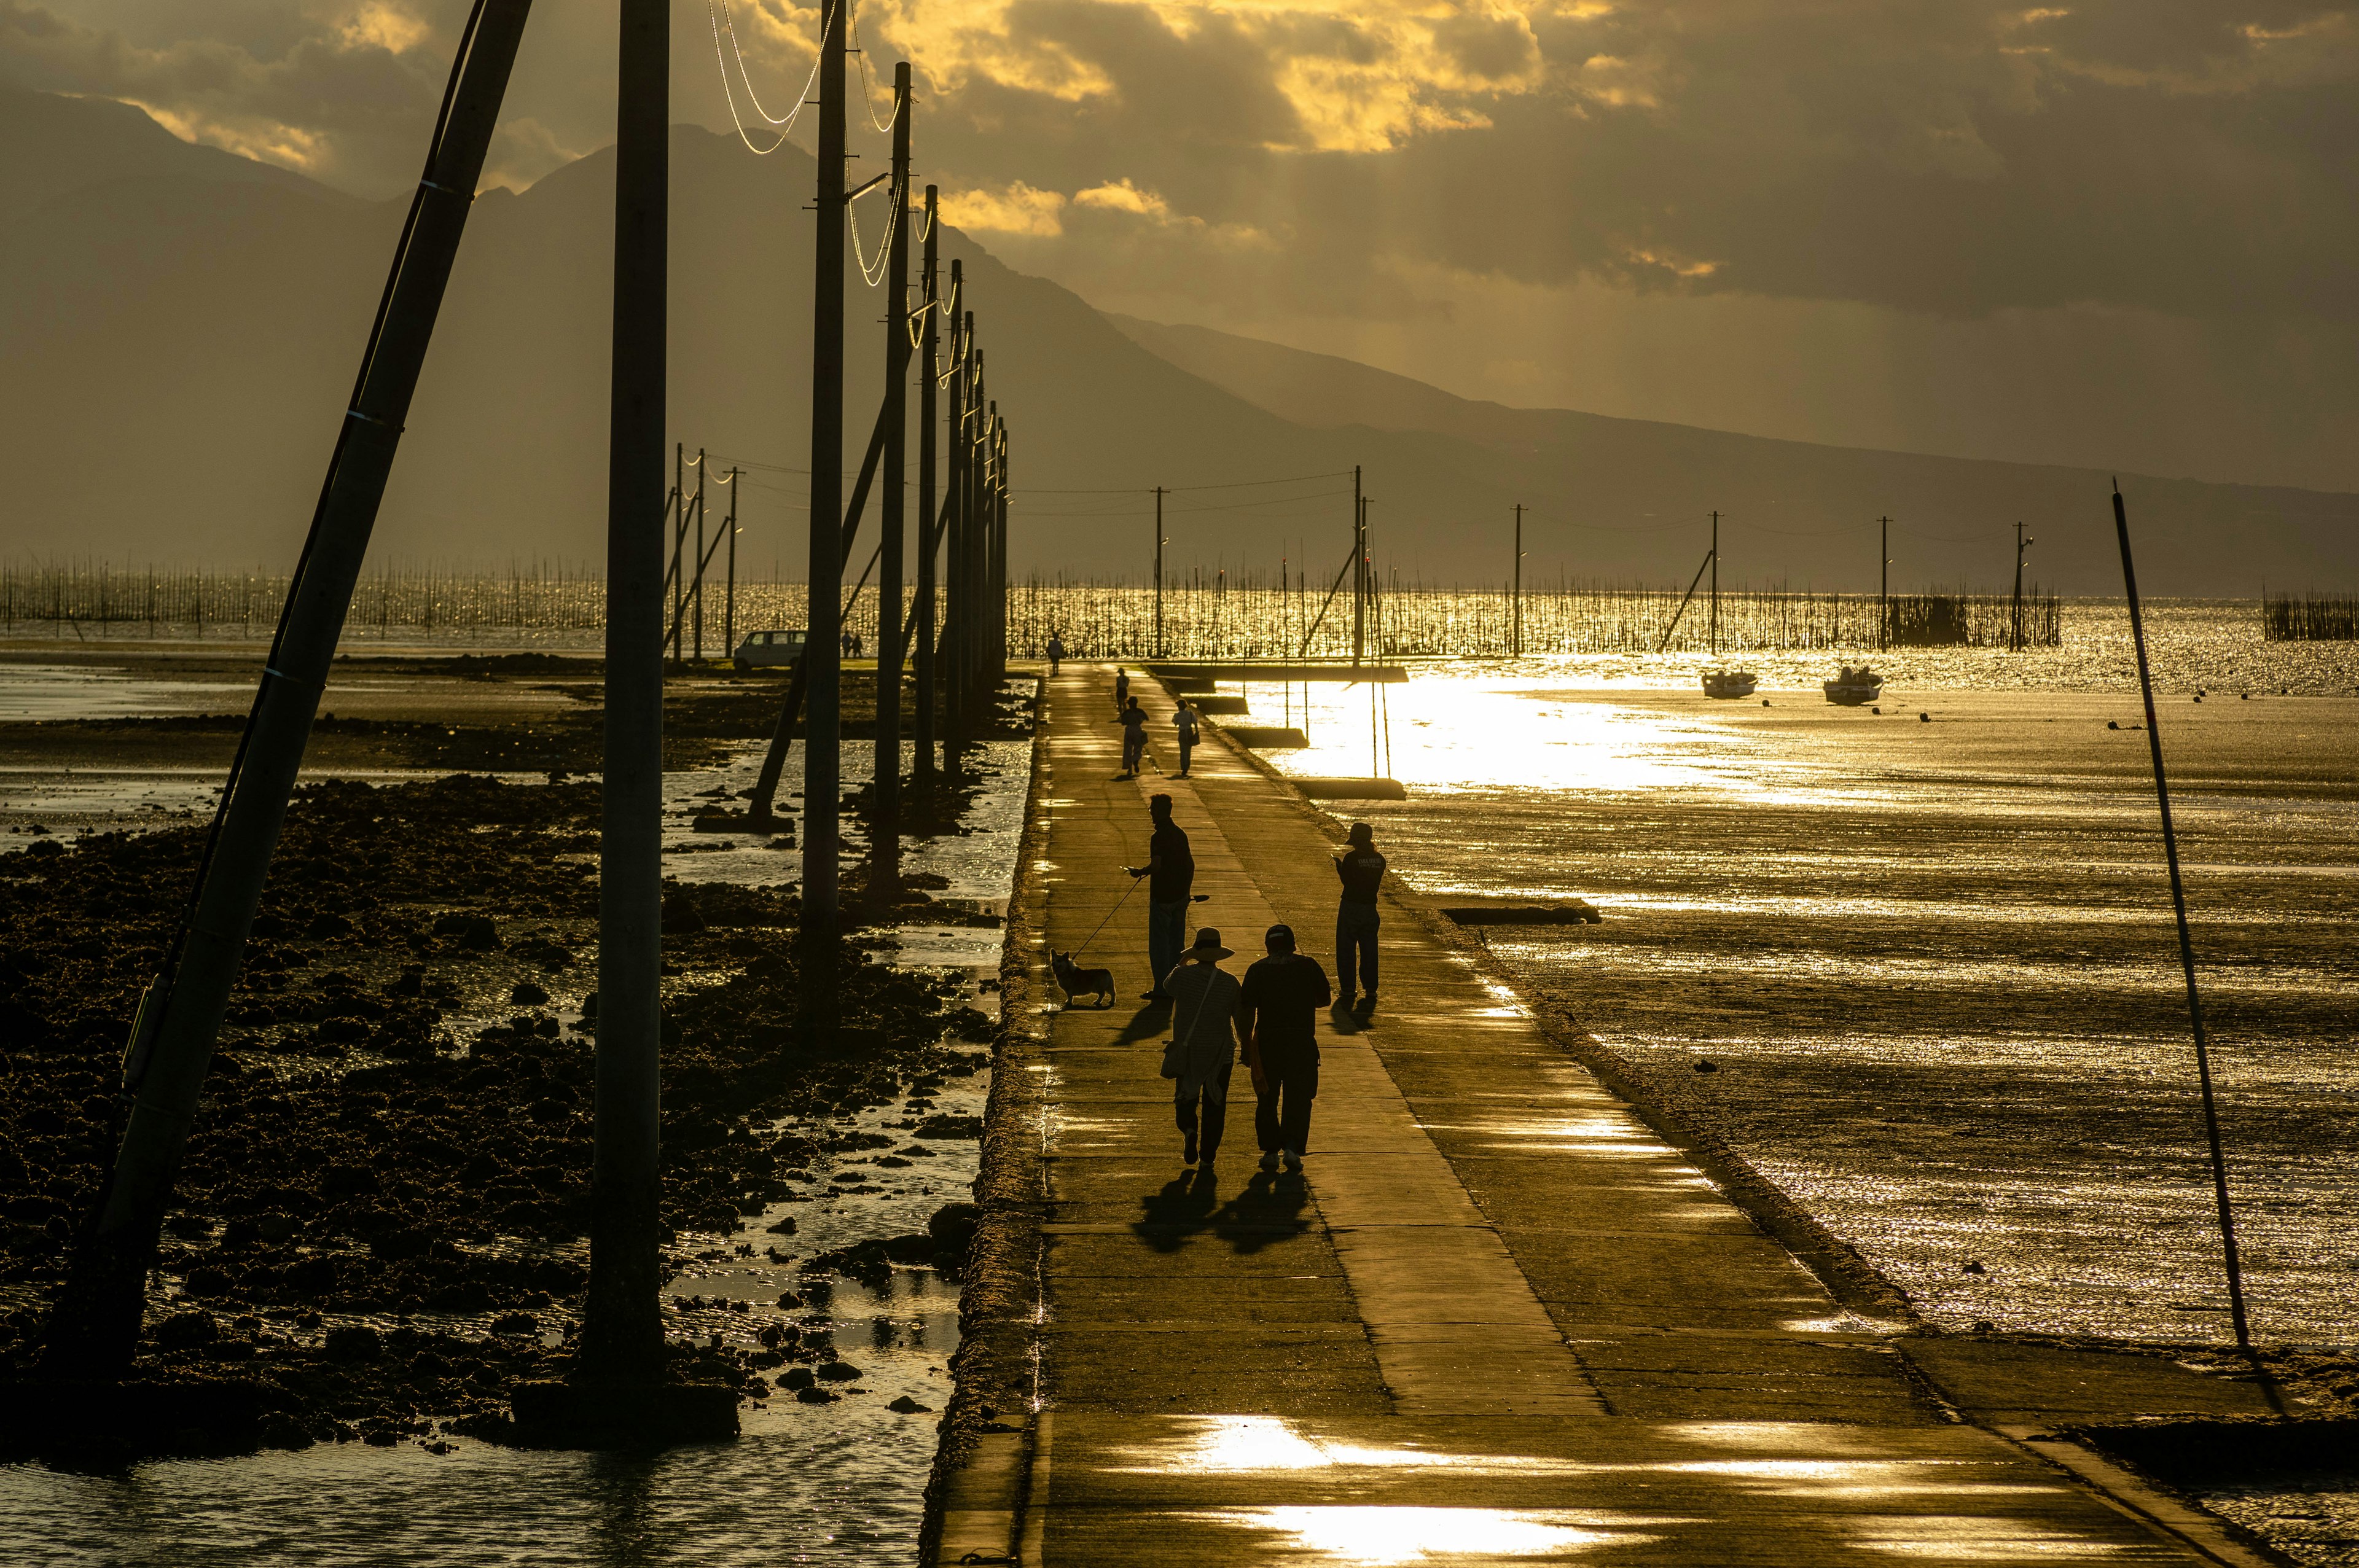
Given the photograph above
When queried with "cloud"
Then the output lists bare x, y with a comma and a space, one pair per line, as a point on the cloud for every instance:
1014, 209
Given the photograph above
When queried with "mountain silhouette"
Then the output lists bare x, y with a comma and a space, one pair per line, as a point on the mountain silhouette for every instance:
180, 328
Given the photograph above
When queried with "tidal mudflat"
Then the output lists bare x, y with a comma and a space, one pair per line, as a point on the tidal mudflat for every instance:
381, 1220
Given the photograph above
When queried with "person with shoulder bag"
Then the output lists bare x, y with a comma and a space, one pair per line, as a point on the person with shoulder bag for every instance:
1202, 1051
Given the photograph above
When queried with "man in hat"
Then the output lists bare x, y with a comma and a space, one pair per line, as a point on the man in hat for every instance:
1279, 1016
1204, 999
1171, 870
1363, 872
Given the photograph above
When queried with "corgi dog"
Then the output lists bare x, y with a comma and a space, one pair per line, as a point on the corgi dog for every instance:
1077, 983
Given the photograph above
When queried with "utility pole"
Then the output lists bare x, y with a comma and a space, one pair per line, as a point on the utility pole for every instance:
1716, 585
1884, 587
999, 567
954, 476
1518, 630
94, 1330
729, 604
1359, 569
697, 603
929, 527
884, 856
1159, 543
679, 504
2021, 544
822, 656
622, 1327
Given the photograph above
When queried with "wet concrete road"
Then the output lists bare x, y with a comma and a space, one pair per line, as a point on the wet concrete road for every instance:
1498, 1318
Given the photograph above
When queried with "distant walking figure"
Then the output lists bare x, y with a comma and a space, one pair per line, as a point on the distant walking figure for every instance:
1056, 652
1283, 994
1363, 872
1133, 719
1121, 690
1203, 1049
1171, 870
1184, 720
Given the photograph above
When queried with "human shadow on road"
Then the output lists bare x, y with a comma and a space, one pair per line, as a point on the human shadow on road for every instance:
1266, 1209
1148, 1021
1344, 1021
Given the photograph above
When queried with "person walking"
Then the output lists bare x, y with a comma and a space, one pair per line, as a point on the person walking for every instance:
1184, 720
1133, 719
1203, 1049
1363, 872
1171, 871
1056, 652
1279, 1018
1121, 690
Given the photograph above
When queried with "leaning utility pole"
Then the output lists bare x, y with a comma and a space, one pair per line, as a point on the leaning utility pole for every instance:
929, 529
621, 1323
975, 704
822, 756
885, 855
1518, 632
93, 1331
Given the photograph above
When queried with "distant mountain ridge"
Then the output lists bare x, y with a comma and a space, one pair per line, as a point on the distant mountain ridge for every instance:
179, 327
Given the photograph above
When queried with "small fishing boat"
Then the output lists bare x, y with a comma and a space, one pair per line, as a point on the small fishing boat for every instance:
1728, 683
1852, 687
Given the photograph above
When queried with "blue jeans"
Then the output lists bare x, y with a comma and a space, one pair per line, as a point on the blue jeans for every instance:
1355, 948
1167, 930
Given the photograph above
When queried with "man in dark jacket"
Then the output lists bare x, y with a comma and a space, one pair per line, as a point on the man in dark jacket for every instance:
1361, 870
1171, 870
1279, 1017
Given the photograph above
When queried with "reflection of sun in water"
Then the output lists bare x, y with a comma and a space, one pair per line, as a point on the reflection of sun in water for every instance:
1381, 1535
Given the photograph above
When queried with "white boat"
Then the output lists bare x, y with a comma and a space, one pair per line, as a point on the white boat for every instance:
1728, 683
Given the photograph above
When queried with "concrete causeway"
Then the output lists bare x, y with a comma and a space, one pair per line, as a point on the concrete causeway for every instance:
1498, 1318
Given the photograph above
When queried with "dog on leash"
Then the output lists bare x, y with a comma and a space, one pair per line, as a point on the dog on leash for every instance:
1077, 982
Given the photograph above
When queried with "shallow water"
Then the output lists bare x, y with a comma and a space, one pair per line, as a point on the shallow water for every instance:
1933, 962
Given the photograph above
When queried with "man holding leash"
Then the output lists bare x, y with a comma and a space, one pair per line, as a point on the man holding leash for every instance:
1279, 1015
1171, 866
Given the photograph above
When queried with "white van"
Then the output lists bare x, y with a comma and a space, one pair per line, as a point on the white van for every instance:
766, 650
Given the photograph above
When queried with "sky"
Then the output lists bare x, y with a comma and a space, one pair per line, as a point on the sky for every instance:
2118, 233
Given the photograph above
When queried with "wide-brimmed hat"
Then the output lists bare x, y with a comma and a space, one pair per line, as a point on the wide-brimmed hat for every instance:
1208, 948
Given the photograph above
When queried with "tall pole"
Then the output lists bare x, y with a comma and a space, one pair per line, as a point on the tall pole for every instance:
1518, 644
697, 601
822, 756
1716, 585
885, 858
955, 475
1884, 586
94, 1328
999, 561
679, 502
1159, 542
2020, 542
729, 601
971, 522
928, 347
1359, 569
2186, 944
622, 1327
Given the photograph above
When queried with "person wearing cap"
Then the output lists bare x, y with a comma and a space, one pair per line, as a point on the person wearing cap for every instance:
1171, 870
1363, 872
1279, 1018
1204, 1000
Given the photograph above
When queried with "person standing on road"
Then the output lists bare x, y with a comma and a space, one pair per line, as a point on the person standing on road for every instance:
1056, 652
1121, 690
1171, 871
1204, 1001
1363, 872
1184, 720
1132, 720
1282, 996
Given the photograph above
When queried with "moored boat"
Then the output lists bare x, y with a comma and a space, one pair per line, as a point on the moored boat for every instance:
1851, 688
1728, 683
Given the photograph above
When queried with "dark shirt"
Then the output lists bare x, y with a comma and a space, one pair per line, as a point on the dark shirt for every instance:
1283, 994
1133, 723
1175, 865
1362, 871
